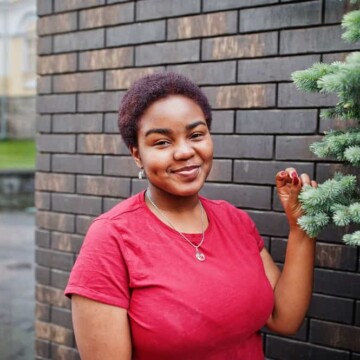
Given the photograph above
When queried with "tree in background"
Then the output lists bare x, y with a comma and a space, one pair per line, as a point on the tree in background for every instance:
337, 200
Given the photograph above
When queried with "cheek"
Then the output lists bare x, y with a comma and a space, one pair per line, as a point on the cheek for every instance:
208, 151
155, 162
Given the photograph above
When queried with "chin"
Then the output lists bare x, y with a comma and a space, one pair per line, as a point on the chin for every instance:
178, 188
188, 190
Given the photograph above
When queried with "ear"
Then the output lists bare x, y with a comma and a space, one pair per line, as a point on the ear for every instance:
135, 153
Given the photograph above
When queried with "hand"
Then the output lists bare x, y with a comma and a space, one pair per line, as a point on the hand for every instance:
289, 184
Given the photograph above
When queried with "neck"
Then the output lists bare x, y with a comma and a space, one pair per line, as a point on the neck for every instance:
173, 203
184, 219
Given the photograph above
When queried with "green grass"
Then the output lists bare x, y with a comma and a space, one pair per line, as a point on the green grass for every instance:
17, 154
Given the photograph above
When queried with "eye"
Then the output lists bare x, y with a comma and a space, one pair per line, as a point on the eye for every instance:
162, 143
196, 135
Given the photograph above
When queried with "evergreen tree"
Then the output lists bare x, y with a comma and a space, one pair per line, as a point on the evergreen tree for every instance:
337, 200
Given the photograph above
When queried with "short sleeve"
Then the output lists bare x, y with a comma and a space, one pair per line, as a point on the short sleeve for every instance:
257, 236
251, 228
100, 272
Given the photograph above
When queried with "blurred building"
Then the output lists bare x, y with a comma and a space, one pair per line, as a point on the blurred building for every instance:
17, 68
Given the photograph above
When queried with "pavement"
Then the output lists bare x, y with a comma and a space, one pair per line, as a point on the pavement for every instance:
17, 282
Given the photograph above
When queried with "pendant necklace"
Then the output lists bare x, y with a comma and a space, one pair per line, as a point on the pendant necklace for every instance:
199, 255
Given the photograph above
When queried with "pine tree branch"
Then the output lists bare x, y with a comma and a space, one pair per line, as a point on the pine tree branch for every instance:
352, 155
331, 202
352, 239
351, 24
307, 80
343, 145
337, 200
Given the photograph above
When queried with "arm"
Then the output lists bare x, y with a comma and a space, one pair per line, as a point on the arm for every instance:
102, 331
293, 286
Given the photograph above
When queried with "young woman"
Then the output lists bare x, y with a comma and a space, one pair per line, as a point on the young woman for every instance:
169, 274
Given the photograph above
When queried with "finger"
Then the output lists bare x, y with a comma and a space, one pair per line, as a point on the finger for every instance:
292, 172
281, 179
295, 188
281, 175
314, 184
305, 179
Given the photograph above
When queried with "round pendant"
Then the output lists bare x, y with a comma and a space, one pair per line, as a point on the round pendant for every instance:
200, 256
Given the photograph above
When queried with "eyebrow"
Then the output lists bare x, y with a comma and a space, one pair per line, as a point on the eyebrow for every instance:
195, 124
165, 131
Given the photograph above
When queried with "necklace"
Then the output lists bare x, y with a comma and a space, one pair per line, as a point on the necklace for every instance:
199, 255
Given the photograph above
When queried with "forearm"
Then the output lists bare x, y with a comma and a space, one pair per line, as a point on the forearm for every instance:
294, 287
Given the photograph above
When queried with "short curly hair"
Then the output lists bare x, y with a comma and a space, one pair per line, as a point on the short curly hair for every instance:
148, 90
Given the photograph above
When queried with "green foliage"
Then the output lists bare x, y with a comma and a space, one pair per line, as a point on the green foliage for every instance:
339, 190
351, 23
313, 224
352, 239
331, 201
17, 154
343, 145
337, 200
352, 155
342, 78
307, 80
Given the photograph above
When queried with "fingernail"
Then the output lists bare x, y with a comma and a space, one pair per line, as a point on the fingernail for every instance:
294, 174
283, 173
295, 180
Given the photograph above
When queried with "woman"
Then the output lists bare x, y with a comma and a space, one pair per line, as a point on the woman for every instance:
169, 274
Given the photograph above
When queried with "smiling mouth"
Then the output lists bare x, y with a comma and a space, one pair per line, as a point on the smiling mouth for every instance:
187, 170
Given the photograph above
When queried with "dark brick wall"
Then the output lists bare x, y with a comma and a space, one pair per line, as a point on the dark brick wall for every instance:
241, 52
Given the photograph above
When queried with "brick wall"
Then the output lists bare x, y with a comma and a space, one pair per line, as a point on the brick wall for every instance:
242, 54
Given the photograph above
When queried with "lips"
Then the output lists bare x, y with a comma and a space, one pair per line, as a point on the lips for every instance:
186, 170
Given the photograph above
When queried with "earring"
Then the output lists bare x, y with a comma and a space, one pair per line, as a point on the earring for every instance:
141, 174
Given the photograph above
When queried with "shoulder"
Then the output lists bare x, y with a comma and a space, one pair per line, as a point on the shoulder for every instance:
227, 211
126, 207
219, 204
222, 206
233, 218
119, 217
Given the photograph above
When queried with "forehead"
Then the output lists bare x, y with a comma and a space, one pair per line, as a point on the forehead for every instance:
171, 110
174, 112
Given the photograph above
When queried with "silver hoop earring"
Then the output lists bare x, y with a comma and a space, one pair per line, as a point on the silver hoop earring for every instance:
141, 174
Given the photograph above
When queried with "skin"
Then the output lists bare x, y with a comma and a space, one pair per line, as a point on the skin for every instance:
175, 150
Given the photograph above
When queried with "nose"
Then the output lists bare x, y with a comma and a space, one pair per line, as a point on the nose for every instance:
184, 150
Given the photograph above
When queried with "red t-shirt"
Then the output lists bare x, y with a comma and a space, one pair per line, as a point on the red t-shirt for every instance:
179, 308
